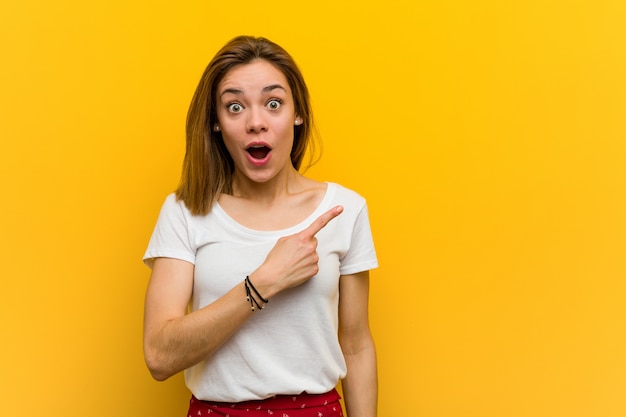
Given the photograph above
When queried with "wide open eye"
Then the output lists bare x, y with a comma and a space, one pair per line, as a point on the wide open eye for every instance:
274, 104
235, 108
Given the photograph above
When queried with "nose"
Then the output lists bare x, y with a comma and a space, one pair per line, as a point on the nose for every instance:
256, 121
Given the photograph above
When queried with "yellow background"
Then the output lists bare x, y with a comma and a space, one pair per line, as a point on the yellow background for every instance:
488, 137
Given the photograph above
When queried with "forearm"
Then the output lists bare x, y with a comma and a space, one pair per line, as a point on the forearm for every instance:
175, 340
360, 386
185, 341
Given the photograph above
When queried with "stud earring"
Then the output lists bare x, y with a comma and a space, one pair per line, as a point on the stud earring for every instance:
298, 122
216, 128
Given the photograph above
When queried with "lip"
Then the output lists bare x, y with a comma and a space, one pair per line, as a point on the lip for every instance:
255, 161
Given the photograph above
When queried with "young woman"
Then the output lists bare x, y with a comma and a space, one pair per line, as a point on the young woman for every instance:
259, 285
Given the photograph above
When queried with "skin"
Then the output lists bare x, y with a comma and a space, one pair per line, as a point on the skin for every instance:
255, 105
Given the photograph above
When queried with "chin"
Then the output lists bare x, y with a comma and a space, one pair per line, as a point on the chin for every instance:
260, 178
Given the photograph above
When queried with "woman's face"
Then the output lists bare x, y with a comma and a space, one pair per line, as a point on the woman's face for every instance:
256, 115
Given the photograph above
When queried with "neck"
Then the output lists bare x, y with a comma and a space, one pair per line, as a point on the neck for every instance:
286, 183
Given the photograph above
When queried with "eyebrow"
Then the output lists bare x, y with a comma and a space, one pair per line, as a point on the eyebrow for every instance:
267, 89
273, 87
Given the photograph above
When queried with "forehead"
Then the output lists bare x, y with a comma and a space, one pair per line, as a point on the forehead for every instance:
255, 75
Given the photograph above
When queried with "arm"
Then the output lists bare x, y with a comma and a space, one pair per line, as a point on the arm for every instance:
360, 386
174, 340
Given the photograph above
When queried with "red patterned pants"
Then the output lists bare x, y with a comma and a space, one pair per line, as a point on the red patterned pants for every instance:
303, 405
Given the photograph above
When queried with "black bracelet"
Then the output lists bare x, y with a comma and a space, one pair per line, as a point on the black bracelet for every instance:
250, 297
255, 291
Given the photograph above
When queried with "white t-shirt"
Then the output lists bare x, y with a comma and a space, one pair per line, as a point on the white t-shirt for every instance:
291, 346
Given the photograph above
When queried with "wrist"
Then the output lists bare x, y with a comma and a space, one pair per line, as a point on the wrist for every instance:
263, 284
256, 300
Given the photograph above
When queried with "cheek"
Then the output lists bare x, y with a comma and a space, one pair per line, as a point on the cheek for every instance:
229, 143
286, 131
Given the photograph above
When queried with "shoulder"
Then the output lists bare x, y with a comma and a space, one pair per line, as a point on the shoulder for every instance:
173, 204
174, 210
171, 200
345, 196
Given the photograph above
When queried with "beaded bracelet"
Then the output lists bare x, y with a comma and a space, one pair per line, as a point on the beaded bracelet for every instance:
250, 297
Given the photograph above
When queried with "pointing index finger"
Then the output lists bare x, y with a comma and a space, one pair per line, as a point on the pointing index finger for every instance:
319, 223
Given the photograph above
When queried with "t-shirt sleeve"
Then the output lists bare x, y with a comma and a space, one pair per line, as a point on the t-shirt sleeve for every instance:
361, 255
171, 235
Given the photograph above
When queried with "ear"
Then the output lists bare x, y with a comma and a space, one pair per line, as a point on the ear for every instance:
298, 121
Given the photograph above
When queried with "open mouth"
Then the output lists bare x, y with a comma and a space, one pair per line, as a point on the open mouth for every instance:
258, 151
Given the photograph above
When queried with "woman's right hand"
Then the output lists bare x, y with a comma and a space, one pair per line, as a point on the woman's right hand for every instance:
293, 260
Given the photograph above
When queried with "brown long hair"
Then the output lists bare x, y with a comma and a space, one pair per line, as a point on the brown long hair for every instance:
208, 167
